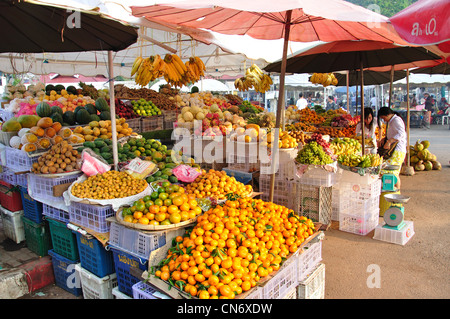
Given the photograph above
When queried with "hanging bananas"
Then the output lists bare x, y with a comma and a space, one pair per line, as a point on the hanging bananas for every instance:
254, 78
325, 79
147, 69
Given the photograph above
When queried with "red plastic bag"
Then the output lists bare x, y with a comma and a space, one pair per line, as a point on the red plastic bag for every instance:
186, 173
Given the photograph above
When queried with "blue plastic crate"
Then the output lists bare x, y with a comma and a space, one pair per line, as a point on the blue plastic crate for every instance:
123, 263
94, 257
32, 209
243, 177
65, 275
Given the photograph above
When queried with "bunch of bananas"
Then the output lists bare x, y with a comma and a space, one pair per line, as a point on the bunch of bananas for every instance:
325, 79
172, 68
147, 69
195, 67
363, 161
254, 78
345, 146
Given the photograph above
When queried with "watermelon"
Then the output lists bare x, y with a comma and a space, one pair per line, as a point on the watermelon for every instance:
49, 87
95, 117
69, 118
57, 117
105, 115
56, 109
101, 104
71, 89
78, 108
59, 88
91, 108
83, 116
43, 109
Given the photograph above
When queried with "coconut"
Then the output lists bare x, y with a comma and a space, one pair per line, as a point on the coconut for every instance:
437, 165
419, 167
428, 166
425, 144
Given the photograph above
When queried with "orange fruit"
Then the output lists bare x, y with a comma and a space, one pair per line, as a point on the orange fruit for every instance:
172, 209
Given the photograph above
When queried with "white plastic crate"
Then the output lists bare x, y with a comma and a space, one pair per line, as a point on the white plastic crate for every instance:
117, 294
152, 123
244, 163
94, 287
255, 293
91, 216
5, 137
9, 176
13, 225
141, 290
358, 222
318, 177
55, 213
283, 281
22, 180
309, 258
399, 237
313, 287
18, 160
292, 294
314, 202
282, 186
354, 178
360, 191
285, 167
41, 187
135, 242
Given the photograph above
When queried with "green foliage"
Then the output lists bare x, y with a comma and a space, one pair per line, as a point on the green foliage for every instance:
388, 8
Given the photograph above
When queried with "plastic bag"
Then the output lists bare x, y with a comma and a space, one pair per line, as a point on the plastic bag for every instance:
139, 168
186, 173
92, 164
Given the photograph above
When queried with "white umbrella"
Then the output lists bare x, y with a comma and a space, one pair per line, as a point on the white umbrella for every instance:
211, 85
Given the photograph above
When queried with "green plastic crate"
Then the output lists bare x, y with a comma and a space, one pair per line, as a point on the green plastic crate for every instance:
64, 241
37, 236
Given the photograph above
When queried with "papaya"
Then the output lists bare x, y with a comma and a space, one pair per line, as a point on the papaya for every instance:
11, 125
45, 122
27, 121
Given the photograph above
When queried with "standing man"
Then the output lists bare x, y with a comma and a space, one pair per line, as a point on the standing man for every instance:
301, 102
373, 102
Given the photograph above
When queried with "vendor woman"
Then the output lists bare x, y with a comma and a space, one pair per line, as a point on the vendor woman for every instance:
395, 133
370, 125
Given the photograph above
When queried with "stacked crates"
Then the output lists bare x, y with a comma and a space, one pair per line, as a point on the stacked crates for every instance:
152, 123
66, 276
37, 236
359, 207
90, 216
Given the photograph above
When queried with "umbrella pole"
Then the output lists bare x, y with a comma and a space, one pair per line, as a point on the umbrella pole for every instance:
408, 170
280, 107
390, 85
348, 92
362, 110
112, 107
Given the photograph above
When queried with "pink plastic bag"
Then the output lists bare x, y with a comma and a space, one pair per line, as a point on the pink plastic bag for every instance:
186, 173
92, 165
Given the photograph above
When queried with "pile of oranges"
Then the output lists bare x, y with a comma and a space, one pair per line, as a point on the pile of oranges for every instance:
168, 205
232, 246
217, 185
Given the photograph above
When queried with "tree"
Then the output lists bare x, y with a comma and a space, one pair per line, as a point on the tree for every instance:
387, 7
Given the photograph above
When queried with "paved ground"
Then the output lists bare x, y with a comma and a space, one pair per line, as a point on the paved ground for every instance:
418, 270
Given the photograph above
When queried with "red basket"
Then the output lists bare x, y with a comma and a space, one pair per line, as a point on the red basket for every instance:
10, 197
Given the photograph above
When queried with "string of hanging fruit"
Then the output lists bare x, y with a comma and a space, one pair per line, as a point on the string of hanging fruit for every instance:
325, 79
254, 78
171, 67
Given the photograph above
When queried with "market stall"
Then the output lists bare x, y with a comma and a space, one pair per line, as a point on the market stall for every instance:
222, 216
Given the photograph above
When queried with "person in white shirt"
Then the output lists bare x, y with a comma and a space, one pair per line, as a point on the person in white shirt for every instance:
370, 125
395, 133
301, 102
373, 102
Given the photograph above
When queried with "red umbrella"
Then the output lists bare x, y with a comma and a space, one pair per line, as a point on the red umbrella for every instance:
291, 20
425, 22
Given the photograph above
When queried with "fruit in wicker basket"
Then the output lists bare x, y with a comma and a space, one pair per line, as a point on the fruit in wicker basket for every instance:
168, 204
109, 185
216, 185
232, 247
61, 158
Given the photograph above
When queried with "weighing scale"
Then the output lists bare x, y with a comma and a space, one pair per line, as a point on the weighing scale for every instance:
388, 180
394, 215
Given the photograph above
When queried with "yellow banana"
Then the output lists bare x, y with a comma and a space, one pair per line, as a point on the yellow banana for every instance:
137, 62
179, 62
